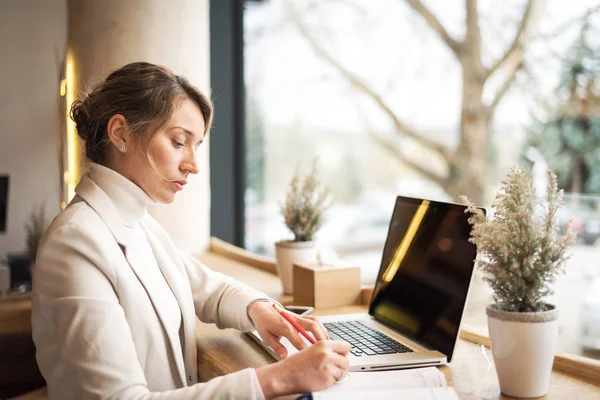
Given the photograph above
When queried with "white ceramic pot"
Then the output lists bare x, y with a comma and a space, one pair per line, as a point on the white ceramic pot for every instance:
288, 253
523, 345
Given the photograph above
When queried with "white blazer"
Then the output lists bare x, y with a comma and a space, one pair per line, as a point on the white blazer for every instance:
99, 328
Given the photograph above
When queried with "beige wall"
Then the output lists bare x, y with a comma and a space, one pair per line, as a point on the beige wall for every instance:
101, 35
32, 33
104, 35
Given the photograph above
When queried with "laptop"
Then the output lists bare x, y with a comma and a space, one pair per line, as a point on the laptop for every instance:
420, 294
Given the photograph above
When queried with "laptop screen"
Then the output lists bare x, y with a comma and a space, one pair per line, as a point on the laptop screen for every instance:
425, 272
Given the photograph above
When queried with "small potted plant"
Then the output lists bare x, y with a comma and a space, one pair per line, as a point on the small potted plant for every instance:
306, 201
35, 228
20, 263
521, 252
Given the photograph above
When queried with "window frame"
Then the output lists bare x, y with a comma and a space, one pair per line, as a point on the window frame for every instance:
227, 137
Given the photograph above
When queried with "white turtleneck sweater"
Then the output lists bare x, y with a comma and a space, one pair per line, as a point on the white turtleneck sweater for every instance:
132, 204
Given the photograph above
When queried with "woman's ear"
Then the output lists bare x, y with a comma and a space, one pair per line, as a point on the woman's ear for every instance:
118, 132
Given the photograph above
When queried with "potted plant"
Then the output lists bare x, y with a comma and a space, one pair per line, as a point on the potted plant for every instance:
35, 228
521, 252
20, 263
306, 201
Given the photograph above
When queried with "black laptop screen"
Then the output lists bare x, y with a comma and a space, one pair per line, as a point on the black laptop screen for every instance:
425, 272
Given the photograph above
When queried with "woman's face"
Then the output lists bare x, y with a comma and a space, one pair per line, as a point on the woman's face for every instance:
173, 149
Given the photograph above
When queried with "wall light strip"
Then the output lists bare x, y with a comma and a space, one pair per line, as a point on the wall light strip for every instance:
72, 167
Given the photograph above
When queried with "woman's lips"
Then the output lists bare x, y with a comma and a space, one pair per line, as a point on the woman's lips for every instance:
179, 185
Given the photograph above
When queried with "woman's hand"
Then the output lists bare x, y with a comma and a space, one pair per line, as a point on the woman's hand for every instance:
314, 368
271, 327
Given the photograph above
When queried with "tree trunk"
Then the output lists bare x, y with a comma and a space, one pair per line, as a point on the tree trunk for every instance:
466, 175
576, 178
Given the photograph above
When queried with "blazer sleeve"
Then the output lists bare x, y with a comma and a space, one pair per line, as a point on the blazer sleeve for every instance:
218, 298
84, 346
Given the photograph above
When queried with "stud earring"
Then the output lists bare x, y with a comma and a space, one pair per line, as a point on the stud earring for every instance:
122, 147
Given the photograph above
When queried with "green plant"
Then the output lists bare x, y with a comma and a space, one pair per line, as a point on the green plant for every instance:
305, 203
521, 251
35, 228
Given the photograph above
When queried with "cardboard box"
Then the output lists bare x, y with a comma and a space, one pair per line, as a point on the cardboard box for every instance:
323, 286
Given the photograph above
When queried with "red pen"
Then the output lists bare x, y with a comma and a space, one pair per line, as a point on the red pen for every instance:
289, 319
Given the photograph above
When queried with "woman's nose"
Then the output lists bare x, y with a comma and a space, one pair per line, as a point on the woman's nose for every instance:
191, 163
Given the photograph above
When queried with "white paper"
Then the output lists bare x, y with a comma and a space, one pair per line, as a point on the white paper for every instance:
444, 393
419, 384
404, 378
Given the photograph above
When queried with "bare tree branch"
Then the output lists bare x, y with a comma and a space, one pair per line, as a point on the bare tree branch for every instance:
434, 23
394, 150
513, 65
575, 21
473, 37
471, 60
397, 153
522, 32
539, 99
401, 127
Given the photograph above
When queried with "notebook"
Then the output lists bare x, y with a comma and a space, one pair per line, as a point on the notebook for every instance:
420, 293
416, 384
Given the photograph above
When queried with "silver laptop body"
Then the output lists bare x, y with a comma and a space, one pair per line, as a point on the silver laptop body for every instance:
421, 288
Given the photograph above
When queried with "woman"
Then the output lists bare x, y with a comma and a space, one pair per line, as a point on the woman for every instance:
115, 302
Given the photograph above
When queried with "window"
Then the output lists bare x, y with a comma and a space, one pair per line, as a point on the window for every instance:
380, 98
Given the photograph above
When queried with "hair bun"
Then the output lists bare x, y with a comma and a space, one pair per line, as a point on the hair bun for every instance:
80, 115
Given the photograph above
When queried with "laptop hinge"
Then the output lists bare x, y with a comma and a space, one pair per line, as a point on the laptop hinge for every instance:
405, 365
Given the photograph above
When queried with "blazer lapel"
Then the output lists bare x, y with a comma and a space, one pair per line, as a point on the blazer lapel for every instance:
174, 273
101, 203
141, 271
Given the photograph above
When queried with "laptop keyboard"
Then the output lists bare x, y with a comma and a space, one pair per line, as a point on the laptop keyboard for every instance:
364, 340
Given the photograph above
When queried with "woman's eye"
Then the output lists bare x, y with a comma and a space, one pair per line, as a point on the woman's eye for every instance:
178, 144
